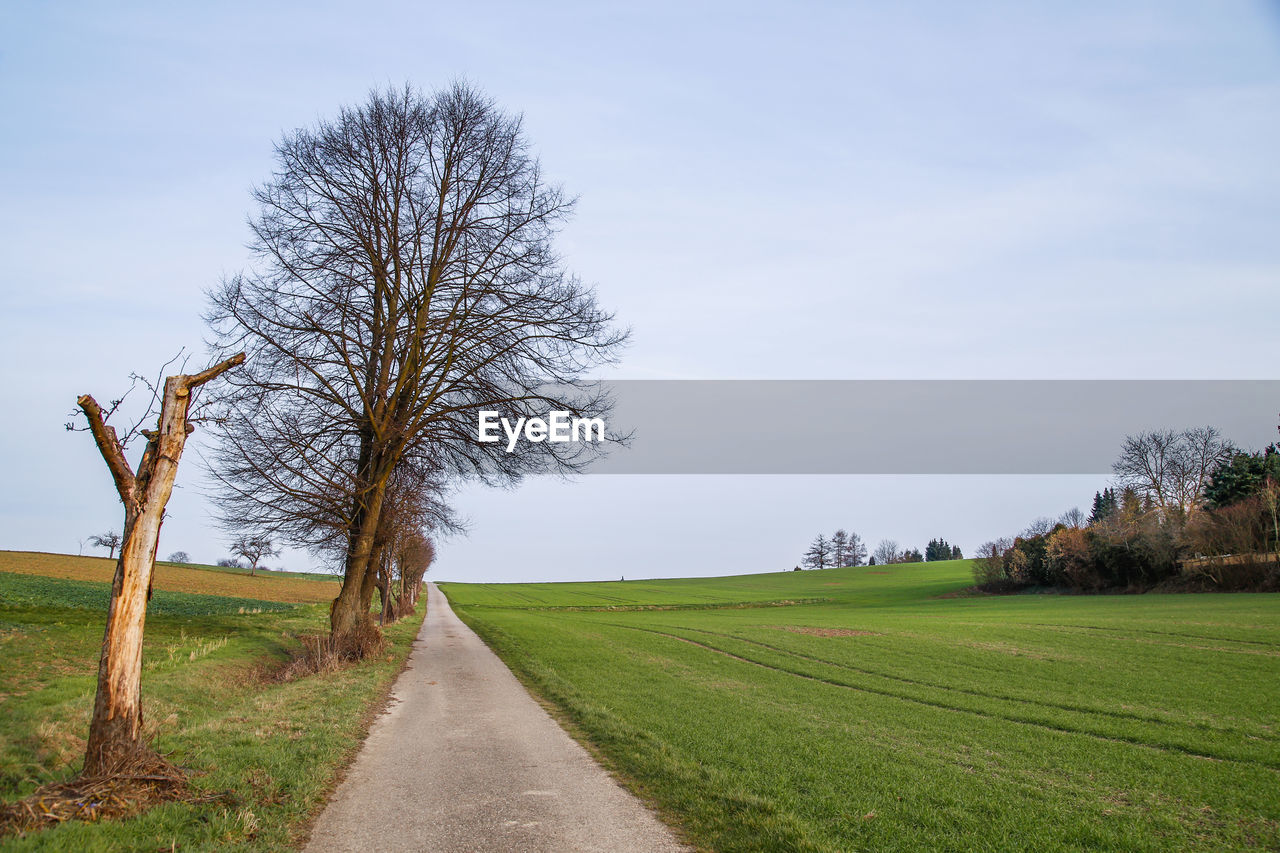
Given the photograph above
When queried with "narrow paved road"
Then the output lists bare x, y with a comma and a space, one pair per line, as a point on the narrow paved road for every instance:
465, 760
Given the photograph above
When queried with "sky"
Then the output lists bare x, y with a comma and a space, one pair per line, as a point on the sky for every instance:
767, 191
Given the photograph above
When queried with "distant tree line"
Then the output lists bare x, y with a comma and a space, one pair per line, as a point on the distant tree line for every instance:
1188, 510
843, 549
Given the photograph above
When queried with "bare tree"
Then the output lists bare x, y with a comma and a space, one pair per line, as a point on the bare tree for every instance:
109, 540
839, 548
179, 557
847, 549
1073, 518
1172, 468
989, 563
1042, 526
405, 279
888, 551
115, 730
819, 554
406, 558
855, 550
413, 507
254, 549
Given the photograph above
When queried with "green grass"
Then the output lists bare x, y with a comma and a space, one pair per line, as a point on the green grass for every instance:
887, 717
208, 699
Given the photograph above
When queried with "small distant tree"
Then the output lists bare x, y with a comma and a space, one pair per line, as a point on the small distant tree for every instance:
956, 553
819, 554
839, 548
229, 563
1104, 505
847, 549
254, 549
989, 565
855, 551
1073, 518
888, 551
109, 540
911, 555
179, 557
940, 549
1042, 526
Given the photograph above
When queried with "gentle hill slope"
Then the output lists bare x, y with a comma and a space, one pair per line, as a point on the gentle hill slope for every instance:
864, 585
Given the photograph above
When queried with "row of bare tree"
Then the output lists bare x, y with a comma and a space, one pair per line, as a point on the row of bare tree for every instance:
404, 278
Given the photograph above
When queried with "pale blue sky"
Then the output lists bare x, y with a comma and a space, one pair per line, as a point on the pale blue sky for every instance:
808, 190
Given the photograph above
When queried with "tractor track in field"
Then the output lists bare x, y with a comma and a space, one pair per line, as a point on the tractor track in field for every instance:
1040, 724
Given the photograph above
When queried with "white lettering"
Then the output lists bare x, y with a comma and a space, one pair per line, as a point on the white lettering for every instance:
488, 427
588, 424
535, 430
512, 434
559, 428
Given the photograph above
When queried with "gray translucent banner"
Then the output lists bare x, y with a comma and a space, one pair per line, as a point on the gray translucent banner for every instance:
916, 427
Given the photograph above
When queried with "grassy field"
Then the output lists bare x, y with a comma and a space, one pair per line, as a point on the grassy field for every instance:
211, 699
867, 709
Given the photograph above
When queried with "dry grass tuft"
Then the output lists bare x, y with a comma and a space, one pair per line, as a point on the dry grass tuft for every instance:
326, 653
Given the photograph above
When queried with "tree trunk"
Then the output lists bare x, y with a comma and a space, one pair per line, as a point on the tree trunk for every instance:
384, 592
372, 579
351, 608
115, 730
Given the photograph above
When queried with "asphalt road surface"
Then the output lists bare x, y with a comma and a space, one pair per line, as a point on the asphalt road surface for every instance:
465, 760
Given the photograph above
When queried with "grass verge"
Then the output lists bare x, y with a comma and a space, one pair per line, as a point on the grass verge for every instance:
212, 703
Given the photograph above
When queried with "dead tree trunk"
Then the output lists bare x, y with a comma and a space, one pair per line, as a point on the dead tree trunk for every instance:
115, 730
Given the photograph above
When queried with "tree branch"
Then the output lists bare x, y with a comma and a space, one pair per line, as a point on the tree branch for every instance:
109, 445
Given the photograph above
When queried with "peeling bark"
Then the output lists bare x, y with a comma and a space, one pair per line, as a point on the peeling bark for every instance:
115, 730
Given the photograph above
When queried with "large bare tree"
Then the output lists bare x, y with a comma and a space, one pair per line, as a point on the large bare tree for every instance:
115, 730
405, 278
1172, 468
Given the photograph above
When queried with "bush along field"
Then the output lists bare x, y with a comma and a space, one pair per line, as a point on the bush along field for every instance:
883, 708
263, 748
